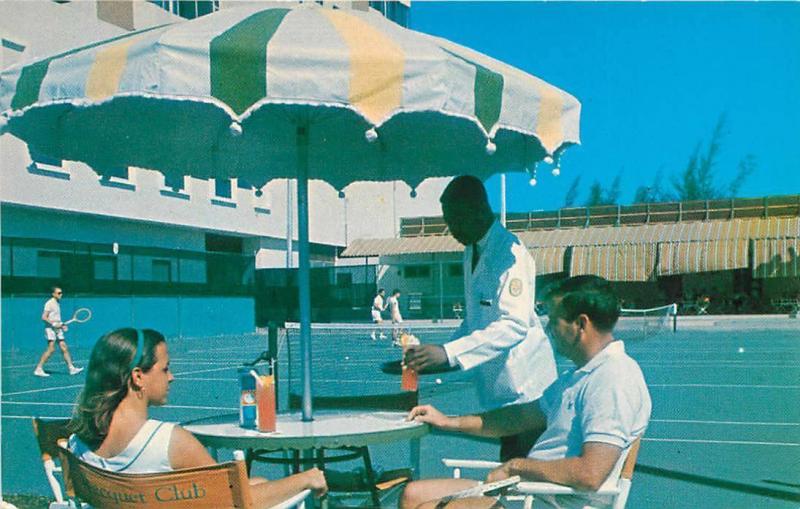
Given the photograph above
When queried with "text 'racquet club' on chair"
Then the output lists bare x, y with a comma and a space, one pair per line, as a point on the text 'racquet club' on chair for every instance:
528, 491
221, 486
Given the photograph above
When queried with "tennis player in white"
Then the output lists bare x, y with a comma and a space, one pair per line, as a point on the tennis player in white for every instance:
54, 333
378, 307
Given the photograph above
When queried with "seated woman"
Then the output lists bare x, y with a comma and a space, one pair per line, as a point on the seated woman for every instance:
129, 371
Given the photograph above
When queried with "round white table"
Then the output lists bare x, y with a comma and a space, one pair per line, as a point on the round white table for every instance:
328, 430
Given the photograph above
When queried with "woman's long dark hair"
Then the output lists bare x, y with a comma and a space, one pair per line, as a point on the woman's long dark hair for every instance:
107, 380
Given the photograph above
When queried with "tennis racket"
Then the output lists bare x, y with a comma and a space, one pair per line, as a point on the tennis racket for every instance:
81, 315
491, 489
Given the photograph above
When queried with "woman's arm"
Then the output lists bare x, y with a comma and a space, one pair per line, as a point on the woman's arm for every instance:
185, 451
270, 493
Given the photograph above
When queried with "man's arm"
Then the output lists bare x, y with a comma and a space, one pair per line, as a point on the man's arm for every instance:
585, 472
504, 421
46, 317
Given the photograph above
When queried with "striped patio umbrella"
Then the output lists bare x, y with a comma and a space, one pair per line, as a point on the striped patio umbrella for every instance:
302, 91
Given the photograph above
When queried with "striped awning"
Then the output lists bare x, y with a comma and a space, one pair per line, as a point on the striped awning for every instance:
549, 260
402, 246
702, 256
776, 257
620, 262
629, 253
689, 231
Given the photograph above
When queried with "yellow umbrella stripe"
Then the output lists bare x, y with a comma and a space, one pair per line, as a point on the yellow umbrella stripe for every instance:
106, 72
376, 66
548, 121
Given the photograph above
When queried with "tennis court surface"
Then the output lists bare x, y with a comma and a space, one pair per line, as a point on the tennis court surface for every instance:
725, 429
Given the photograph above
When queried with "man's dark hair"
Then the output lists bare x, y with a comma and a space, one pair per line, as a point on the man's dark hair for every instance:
395, 291
465, 189
53, 288
589, 295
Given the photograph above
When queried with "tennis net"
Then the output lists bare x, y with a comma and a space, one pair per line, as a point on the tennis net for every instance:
645, 323
346, 360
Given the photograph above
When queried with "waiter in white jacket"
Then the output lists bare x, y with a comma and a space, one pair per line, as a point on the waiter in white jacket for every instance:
501, 335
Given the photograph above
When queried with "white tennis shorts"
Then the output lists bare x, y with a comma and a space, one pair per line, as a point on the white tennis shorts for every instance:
53, 334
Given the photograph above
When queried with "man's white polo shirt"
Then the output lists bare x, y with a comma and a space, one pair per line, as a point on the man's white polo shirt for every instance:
604, 401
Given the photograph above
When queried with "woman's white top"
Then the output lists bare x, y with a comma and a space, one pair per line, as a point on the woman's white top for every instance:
147, 452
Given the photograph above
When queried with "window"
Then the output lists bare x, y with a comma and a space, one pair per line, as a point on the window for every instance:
188, 9
14, 46
105, 268
455, 270
116, 176
119, 172
5, 258
174, 183
224, 243
344, 279
48, 264
162, 271
175, 187
394, 10
222, 192
42, 164
223, 188
417, 271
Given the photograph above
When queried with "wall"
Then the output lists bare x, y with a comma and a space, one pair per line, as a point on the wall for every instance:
173, 316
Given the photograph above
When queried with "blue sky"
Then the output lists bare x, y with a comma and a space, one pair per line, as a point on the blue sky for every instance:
653, 79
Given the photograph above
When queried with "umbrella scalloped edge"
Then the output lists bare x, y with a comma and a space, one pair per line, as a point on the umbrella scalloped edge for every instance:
237, 120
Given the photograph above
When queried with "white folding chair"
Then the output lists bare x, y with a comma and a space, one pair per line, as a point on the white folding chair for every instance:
528, 491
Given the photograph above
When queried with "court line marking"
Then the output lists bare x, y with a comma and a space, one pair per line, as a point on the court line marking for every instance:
176, 375
646, 439
683, 421
724, 442
54, 403
63, 387
747, 386
746, 423
46, 389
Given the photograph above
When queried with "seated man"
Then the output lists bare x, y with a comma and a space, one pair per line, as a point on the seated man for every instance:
590, 415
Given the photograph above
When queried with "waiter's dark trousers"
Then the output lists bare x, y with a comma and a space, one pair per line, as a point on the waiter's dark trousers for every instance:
518, 446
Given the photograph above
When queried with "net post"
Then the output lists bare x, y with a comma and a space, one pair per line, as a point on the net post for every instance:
674, 311
272, 344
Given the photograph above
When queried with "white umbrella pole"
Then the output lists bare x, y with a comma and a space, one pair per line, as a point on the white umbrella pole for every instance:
304, 268
503, 199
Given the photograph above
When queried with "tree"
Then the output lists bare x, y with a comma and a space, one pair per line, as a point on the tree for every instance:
698, 180
746, 167
572, 192
595, 195
653, 192
612, 194
600, 196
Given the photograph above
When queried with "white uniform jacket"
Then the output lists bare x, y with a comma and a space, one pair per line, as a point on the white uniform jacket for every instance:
501, 335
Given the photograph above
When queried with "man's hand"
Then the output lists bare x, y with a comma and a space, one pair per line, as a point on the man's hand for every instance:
430, 415
500, 473
315, 481
422, 357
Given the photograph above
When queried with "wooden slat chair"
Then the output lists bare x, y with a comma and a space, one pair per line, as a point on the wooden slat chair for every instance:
48, 432
528, 491
221, 486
